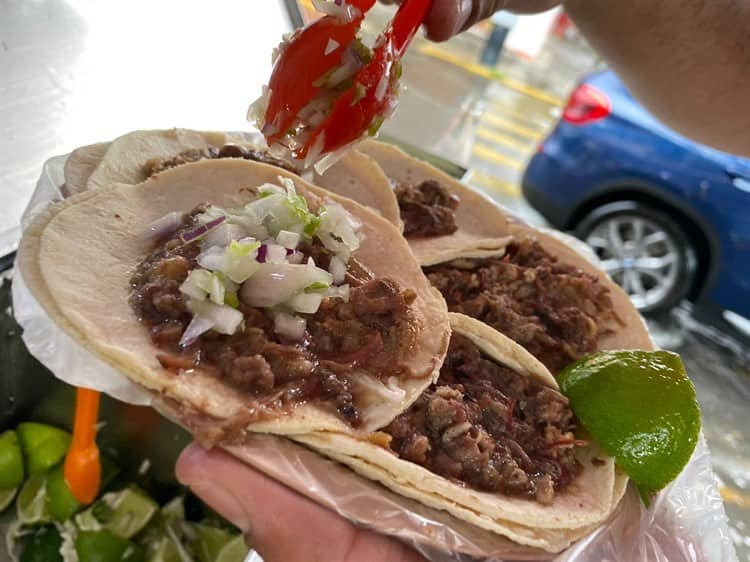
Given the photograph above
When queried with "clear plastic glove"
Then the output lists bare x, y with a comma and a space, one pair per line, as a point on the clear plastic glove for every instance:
450, 17
280, 524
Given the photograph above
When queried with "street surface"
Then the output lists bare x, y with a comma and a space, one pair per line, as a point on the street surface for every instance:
67, 79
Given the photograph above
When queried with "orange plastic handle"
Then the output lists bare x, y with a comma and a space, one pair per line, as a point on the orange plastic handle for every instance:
83, 470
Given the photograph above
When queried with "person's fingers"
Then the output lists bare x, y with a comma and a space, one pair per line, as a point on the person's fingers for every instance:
449, 17
282, 525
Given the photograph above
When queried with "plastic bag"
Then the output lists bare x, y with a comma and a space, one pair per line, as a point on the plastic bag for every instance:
685, 523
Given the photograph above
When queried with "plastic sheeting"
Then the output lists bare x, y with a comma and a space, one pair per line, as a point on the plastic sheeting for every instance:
685, 523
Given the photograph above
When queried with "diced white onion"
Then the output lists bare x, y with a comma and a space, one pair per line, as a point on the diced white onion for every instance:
275, 283
256, 113
338, 230
337, 268
293, 327
382, 87
340, 10
288, 239
296, 258
315, 150
275, 253
165, 225
308, 303
198, 325
212, 258
322, 165
340, 292
225, 319
331, 46
223, 234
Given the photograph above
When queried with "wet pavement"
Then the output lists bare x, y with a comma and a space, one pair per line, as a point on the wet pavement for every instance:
63, 74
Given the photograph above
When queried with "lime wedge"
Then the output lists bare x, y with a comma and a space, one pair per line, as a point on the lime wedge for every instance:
209, 541
234, 551
6, 498
11, 461
43, 446
105, 546
44, 546
640, 406
62, 504
162, 549
124, 513
32, 504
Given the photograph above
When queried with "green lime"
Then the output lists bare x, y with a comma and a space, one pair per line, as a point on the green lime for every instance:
62, 504
640, 406
11, 461
162, 549
32, 504
44, 546
43, 446
124, 513
234, 551
6, 498
209, 541
105, 546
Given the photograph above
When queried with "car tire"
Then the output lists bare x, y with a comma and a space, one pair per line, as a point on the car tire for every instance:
644, 250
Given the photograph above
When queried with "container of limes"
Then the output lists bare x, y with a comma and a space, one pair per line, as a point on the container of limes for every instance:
141, 515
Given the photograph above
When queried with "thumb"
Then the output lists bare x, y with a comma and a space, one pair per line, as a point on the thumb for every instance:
282, 525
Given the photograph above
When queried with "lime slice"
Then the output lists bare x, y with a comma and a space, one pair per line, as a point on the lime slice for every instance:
6, 498
11, 461
209, 541
43, 446
62, 504
32, 505
44, 546
124, 513
162, 549
640, 406
105, 546
234, 551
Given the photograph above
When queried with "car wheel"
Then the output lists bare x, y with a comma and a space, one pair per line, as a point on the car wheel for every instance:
644, 250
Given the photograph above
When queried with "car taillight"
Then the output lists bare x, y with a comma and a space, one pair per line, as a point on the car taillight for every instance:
586, 104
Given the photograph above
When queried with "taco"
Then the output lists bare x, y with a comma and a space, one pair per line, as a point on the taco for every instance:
544, 295
240, 292
493, 442
139, 155
441, 216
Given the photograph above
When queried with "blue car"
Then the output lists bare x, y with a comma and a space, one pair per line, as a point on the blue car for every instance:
669, 218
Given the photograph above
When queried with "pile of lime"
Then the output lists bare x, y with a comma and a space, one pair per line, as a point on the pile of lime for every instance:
123, 524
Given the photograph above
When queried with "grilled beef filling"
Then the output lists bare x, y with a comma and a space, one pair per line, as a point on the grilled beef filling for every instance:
371, 333
156, 165
427, 209
556, 311
486, 426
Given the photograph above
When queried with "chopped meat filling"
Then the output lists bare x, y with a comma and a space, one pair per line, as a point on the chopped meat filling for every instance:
427, 209
156, 165
370, 334
490, 428
556, 311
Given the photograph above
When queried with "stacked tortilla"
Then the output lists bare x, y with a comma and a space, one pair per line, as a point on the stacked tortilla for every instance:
78, 258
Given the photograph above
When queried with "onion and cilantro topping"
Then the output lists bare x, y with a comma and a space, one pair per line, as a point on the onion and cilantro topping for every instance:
251, 255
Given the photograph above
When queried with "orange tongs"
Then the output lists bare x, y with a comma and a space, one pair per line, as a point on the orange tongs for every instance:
83, 472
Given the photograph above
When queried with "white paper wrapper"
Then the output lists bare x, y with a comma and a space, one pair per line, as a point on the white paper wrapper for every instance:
686, 523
